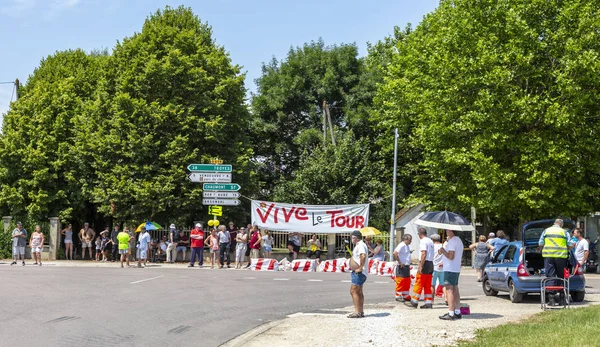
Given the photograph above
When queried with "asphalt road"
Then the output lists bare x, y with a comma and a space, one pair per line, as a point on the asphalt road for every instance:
157, 306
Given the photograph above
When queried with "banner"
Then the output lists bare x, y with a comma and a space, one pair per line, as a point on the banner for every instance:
309, 218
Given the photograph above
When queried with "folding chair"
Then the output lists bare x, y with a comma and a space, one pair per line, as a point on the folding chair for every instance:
563, 286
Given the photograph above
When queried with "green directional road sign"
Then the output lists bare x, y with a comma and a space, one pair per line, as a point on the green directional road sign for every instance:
228, 187
210, 167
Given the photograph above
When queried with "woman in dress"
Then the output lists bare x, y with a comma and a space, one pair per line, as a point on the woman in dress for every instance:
68, 234
36, 242
240, 247
482, 250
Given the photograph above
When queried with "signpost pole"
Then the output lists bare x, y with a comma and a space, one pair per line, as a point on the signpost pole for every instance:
392, 221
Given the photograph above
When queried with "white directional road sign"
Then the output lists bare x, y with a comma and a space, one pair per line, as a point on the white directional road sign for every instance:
228, 187
202, 177
223, 202
222, 195
210, 167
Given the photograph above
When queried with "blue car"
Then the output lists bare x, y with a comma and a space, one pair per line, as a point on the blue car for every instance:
518, 268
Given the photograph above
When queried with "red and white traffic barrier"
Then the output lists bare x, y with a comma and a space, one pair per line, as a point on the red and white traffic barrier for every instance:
304, 265
335, 265
386, 268
264, 264
373, 264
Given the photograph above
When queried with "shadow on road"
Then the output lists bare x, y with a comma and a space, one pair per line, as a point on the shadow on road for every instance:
483, 316
377, 315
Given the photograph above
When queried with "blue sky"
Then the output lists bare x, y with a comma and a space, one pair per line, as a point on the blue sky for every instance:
253, 31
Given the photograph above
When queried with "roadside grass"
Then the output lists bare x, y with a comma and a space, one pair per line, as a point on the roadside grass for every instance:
573, 327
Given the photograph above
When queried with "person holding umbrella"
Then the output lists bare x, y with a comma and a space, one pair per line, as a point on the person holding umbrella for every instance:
452, 252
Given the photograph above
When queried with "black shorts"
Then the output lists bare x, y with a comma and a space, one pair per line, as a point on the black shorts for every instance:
427, 268
296, 248
403, 272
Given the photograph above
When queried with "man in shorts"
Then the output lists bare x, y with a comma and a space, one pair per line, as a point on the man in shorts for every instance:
142, 249
123, 240
452, 252
19, 240
360, 268
86, 236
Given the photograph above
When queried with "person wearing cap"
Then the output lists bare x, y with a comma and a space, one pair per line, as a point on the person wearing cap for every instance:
19, 240
360, 267
86, 236
142, 248
402, 257
197, 245
171, 249
105, 242
491, 236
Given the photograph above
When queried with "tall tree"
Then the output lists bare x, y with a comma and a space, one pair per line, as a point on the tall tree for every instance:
39, 174
171, 97
500, 97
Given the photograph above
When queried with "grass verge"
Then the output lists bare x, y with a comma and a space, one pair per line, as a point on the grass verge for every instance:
573, 327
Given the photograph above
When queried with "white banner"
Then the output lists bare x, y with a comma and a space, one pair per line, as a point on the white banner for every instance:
309, 218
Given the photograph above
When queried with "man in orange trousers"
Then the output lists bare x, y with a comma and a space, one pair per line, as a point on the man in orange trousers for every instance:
425, 272
402, 257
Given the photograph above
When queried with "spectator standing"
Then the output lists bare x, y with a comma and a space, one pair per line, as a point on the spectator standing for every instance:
314, 247
248, 248
582, 248
171, 249
360, 268
452, 252
68, 239
86, 236
132, 249
240, 248
36, 242
19, 240
142, 248
114, 242
491, 236
293, 244
213, 244
232, 230
424, 272
98, 244
402, 257
255, 240
105, 243
267, 241
377, 252
438, 269
123, 241
182, 244
224, 243
482, 252
499, 241
197, 247
162, 248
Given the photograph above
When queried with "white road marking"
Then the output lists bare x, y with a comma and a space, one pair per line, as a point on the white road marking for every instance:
249, 278
345, 281
314, 280
281, 279
147, 279
382, 282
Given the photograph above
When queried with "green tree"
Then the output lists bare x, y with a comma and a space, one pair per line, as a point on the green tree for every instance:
500, 99
171, 97
39, 174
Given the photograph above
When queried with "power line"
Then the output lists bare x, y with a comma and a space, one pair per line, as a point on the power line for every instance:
13, 82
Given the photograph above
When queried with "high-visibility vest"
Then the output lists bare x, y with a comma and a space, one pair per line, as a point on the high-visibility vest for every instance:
555, 243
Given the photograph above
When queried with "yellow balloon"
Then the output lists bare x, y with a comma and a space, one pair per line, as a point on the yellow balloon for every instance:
216, 223
210, 223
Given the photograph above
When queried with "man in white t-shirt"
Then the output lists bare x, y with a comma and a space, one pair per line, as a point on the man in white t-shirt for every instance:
424, 273
142, 247
452, 251
402, 257
582, 248
360, 268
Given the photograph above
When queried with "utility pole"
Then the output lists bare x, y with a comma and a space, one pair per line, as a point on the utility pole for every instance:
392, 221
327, 119
17, 85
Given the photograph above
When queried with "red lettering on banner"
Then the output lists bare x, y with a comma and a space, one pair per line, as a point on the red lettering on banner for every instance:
360, 222
301, 214
275, 215
333, 213
287, 216
266, 216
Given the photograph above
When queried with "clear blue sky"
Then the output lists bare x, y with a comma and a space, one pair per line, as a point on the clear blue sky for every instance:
253, 31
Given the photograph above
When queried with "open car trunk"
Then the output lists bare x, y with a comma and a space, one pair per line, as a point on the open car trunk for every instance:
533, 261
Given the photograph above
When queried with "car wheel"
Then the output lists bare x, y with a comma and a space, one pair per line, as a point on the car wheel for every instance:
512, 293
578, 296
487, 288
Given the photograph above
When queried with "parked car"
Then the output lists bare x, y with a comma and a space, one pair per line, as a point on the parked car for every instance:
518, 267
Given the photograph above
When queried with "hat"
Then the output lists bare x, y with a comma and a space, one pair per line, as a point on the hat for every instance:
19, 223
357, 234
435, 237
491, 235
172, 226
104, 232
198, 225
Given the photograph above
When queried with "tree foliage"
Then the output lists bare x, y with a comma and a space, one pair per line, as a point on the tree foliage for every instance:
500, 98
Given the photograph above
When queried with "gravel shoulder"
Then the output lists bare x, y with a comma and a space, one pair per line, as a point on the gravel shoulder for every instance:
393, 324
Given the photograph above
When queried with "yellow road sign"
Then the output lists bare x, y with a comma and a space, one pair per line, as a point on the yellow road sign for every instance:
215, 210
